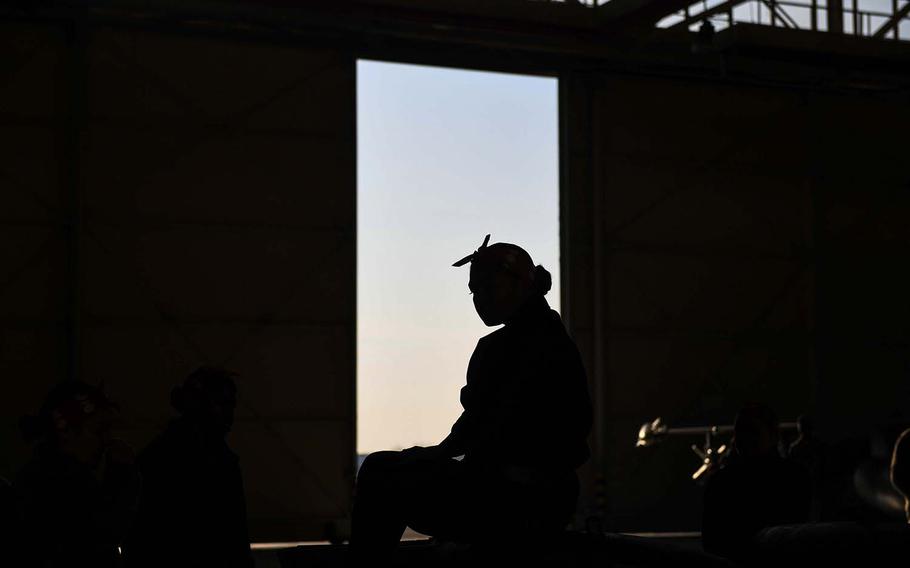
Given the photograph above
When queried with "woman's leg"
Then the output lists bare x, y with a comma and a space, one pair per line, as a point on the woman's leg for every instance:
395, 491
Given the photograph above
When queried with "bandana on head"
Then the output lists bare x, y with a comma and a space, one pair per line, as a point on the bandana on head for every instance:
473, 255
501, 256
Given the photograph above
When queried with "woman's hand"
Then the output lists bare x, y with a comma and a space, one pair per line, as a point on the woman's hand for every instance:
419, 454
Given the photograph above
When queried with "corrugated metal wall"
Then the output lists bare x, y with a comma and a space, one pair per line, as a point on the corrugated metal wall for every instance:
210, 190
729, 243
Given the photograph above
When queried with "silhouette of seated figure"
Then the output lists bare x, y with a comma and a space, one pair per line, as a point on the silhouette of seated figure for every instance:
806, 448
900, 469
79, 490
193, 511
808, 451
755, 489
522, 434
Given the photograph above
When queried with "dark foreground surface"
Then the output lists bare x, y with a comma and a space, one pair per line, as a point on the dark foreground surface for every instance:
831, 544
573, 549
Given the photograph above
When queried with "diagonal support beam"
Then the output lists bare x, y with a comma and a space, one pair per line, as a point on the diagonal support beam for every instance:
893, 22
779, 11
727, 6
720, 8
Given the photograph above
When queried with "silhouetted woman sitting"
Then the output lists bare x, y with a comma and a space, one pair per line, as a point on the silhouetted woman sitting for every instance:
193, 510
78, 492
523, 432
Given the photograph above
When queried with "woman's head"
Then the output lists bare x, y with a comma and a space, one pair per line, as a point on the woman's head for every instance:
76, 418
208, 397
503, 277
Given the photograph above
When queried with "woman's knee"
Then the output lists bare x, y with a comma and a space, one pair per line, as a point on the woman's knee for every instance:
376, 466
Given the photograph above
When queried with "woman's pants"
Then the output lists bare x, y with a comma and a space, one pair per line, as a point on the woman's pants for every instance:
452, 500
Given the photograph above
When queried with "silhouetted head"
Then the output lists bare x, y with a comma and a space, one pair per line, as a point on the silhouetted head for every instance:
503, 278
755, 431
208, 397
76, 419
900, 469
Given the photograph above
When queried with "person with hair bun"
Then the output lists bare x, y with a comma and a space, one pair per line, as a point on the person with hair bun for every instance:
193, 510
522, 434
78, 492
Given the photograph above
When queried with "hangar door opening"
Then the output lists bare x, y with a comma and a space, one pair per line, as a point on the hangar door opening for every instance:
445, 157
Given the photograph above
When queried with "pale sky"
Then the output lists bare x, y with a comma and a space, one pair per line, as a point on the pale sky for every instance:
444, 157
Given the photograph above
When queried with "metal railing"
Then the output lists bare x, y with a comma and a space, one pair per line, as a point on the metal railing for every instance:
846, 16
867, 18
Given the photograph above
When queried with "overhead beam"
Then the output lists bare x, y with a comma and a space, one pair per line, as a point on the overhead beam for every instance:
893, 22
728, 6
618, 14
725, 7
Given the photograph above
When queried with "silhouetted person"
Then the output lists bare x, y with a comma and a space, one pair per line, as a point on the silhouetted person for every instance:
809, 452
523, 432
193, 511
805, 448
79, 490
755, 489
900, 469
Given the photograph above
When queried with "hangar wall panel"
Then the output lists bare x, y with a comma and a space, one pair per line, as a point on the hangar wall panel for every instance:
219, 220
203, 212
734, 247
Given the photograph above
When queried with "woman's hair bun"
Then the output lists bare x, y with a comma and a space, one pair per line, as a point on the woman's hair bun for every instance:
543, 281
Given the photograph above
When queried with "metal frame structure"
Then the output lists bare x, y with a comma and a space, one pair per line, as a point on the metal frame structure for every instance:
654, 432
863, 22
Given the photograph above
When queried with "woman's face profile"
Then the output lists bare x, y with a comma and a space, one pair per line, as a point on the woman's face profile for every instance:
496, 294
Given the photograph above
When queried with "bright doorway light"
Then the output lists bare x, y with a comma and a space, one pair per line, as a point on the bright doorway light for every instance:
444, 157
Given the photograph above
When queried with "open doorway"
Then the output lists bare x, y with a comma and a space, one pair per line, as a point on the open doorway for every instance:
445, 156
